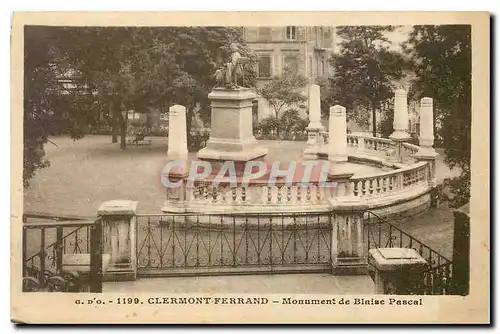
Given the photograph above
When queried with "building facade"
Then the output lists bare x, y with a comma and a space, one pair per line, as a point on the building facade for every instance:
304, 50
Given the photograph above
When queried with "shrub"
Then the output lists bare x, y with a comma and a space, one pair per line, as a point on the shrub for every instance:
289, 126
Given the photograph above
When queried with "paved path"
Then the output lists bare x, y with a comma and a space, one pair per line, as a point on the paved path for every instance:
280, 283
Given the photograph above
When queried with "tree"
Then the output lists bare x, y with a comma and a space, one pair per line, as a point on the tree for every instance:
284, 91
110, 61
364, 70
442, 63
115, 69
142, 68
49, 106
39, 84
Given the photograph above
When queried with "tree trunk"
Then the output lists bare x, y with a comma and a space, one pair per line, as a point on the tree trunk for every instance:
114, 134
114, 126
276, 113
123, 132
374, 120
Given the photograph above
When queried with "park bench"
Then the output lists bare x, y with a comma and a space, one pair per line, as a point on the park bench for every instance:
138, 140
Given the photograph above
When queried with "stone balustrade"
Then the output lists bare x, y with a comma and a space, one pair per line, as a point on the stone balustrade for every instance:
377, 144
258, 195
352, 141
375, 190
408, 180
390, 183
410, 149
369, 144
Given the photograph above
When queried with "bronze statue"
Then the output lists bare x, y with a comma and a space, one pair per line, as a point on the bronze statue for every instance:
229, 76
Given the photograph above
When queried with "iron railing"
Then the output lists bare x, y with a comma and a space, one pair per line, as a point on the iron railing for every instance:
436, 279
233, 243
47, 242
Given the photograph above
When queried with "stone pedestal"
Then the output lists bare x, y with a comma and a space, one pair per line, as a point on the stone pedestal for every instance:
337, 146
119, 228
397, 270
400, 116
315, 128
177, 133
348, 249
231, 136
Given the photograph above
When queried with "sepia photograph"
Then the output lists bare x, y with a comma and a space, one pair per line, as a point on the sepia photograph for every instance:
206, 165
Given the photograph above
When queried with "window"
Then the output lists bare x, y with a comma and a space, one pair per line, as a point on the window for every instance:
322, 68
264, 34
292, 64
264, 67
291, 32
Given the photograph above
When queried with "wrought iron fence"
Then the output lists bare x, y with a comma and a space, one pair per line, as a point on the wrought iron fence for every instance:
48, 240
235, 243
436, 279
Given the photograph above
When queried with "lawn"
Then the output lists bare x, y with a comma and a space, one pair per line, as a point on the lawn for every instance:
87, 172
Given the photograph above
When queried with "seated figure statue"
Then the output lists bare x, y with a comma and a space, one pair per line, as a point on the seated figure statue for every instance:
230, 75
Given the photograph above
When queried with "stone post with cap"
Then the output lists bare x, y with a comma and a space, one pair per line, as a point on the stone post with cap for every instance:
315, 128
177, 155
119, 229
426, 150
400, 123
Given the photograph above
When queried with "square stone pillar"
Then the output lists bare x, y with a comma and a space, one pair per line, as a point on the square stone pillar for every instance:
337, 146
348, 249
315, 128
397, 271
426, 151
119, 230
231, 136
177, 133
400, 123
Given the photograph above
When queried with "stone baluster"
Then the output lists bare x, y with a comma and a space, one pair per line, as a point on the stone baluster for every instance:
119, 228
337, 147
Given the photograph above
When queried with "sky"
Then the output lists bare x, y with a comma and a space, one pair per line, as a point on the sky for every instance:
396, 37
